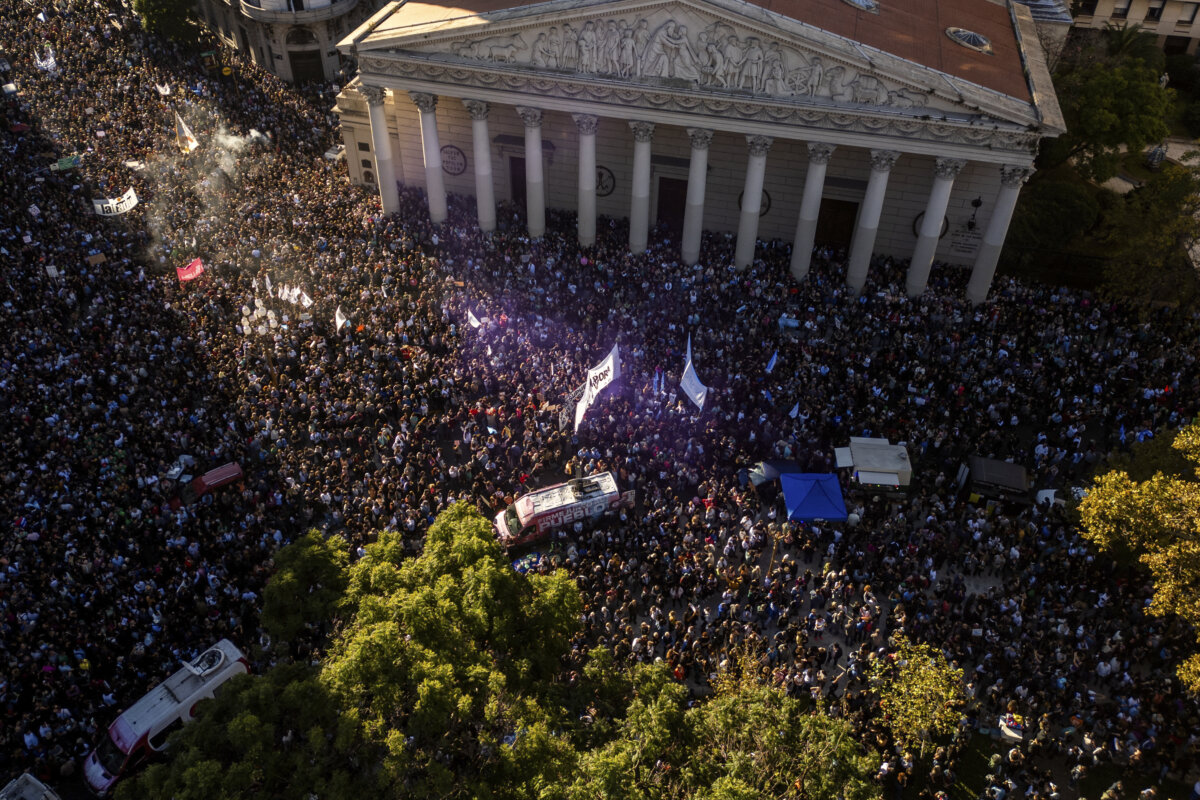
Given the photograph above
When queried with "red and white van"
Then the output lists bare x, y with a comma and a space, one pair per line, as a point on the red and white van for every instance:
144, 727
531, 517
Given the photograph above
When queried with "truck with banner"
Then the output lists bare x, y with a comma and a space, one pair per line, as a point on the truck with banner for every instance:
532, 517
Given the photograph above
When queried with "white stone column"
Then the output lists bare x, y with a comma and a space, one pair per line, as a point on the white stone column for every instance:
756, 167
535, 183
639, 201
586, 204
1011, 179
381, 143
810, 208
945, 170
481, 145
435, 184
863, 243
693, 211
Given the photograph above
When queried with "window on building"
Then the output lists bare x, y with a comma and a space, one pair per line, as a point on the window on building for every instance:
1154, 10
1176, 45
1188, 14
1087, 8
364, 147
1121, 11
365, 162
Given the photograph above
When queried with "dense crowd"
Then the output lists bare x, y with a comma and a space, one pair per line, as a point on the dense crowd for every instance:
112, 369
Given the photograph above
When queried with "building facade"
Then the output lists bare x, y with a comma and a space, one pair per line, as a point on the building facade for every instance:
1174, 22
294, 39
910, 138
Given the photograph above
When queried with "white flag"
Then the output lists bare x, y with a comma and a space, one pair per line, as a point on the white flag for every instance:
164, 89
475, 323
598, 377
795, 410
183, 135
270, 291
340, 318
687, 359
305, 300
696, 391
771, 363
294, 295
41, 16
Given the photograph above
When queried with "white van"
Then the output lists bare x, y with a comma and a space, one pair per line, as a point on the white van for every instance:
532, 517
145, 726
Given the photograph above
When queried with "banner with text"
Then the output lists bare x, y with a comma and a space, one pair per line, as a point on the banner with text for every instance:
598, 377
111, 206
191, 271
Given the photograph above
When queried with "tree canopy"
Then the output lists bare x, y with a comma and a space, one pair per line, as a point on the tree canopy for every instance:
306, 587
1157, 519
174, 19
920, 693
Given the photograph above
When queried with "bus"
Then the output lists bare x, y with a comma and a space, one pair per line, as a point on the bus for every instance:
532, 517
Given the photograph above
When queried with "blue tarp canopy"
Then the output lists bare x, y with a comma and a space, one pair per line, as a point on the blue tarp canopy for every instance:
811, 496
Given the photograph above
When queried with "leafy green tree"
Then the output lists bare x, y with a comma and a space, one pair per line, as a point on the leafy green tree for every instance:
174, 19
306, 586
1149, 235
920, 693
749, 740
278, 735
448, 661
1133, 42
1109, 102
1158, 519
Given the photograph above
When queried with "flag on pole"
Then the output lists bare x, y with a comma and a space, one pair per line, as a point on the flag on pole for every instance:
475, 323
696, 391
688, 358
340, 318
598, 378
191, 271
183, 135
795, 412
771, 363
270, 291
305, 300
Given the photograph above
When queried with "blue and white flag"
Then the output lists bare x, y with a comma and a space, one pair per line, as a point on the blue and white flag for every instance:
795, 412
771, 363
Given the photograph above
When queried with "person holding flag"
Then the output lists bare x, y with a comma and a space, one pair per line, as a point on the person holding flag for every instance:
183, 135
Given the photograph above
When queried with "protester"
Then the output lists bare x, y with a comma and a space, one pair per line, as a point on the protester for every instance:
113, 368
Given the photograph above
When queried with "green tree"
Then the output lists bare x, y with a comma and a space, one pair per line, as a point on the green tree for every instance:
174, 19
306, 586
1158, 519
1149, 235
1133, 42
749, 740
1109, 102
278, 735
449, 659
920, 693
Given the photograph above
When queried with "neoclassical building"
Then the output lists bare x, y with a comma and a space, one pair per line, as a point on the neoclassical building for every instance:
903, 127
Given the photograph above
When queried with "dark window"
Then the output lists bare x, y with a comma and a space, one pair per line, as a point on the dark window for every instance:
1087, 9
366, 163
1121, 12
364, 147
1188, 15
159, 740
1154, 10
1176, 45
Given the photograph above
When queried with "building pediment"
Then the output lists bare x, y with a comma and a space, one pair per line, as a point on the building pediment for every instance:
720, 49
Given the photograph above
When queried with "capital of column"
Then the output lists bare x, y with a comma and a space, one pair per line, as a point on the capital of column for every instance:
883, 160
479, 109
532, 117
587, 124
701, 138
759, 145
373, 94
1012, 175
820, 152
426, 103
642, 131
948, 168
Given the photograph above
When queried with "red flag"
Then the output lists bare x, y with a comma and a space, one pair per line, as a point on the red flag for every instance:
191, 271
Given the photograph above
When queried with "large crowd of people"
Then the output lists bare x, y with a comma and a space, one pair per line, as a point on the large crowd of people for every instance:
112, 369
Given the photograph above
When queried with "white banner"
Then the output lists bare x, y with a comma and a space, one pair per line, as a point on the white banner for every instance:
475, 323
164, 89
598, 377
340, 318
109, 207
692, 387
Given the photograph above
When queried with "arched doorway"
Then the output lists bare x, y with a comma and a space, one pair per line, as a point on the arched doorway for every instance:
304, 55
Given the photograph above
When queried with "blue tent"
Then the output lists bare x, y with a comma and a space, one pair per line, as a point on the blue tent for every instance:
811, 496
